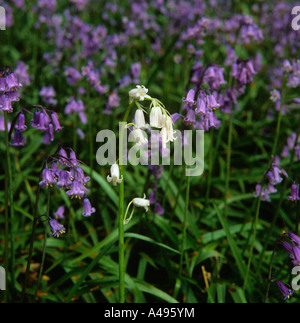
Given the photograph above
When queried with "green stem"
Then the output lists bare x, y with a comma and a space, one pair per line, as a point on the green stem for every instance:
75, 135
6, 247
90, 124
121, 212
34, 224
270, 272
253, 237
185, 225
11, 205
228, 162
210, 168
44, 246
277, 131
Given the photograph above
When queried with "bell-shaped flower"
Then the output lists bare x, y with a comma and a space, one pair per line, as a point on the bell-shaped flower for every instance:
139, 137
141, 202
20, 124
294, 193
286, 292
167, 132
115, 175
87, 208
157, 118
57, 229
59, 214
139, 119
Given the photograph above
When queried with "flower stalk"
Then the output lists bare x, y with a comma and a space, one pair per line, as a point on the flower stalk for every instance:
9, 205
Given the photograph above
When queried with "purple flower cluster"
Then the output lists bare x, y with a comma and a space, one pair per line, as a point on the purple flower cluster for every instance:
291, 144
293, 73
48, 95
46, 121
65, 173
9, 90
74, 106
243, 30
273, 177
292, 247
243, 72
21, 72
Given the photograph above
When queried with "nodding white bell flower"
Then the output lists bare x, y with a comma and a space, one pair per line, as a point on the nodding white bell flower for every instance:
139, 137
157, 118
115, 175
139, 202
139, 119
167, 132
140, 93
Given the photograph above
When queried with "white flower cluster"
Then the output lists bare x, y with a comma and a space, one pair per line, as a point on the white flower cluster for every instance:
159, 118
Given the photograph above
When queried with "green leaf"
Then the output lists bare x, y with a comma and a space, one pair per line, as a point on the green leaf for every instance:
235, 251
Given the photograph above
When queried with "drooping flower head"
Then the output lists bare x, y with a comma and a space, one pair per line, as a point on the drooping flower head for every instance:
286, 292
57, 229
115, 175
88, 210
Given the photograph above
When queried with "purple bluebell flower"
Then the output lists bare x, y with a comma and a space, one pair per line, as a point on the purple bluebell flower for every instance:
190, 98
55, 121
201, 106
59, 214
18, 139
77, 190
296, 256
43, 124
64, 179
64, 160
51, 132
48, 95
78, 175
72, 75
5, 103
291, 140
135, 71
3, 87
74, 106
73, 158
48, 178
88, 210
286, 292
2, 124
214, 77
190, 118
113, 102
20, 124
57, 229
288, 248
175, 117
294, 193
36, 119
22, 74
294, 238
12, 82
